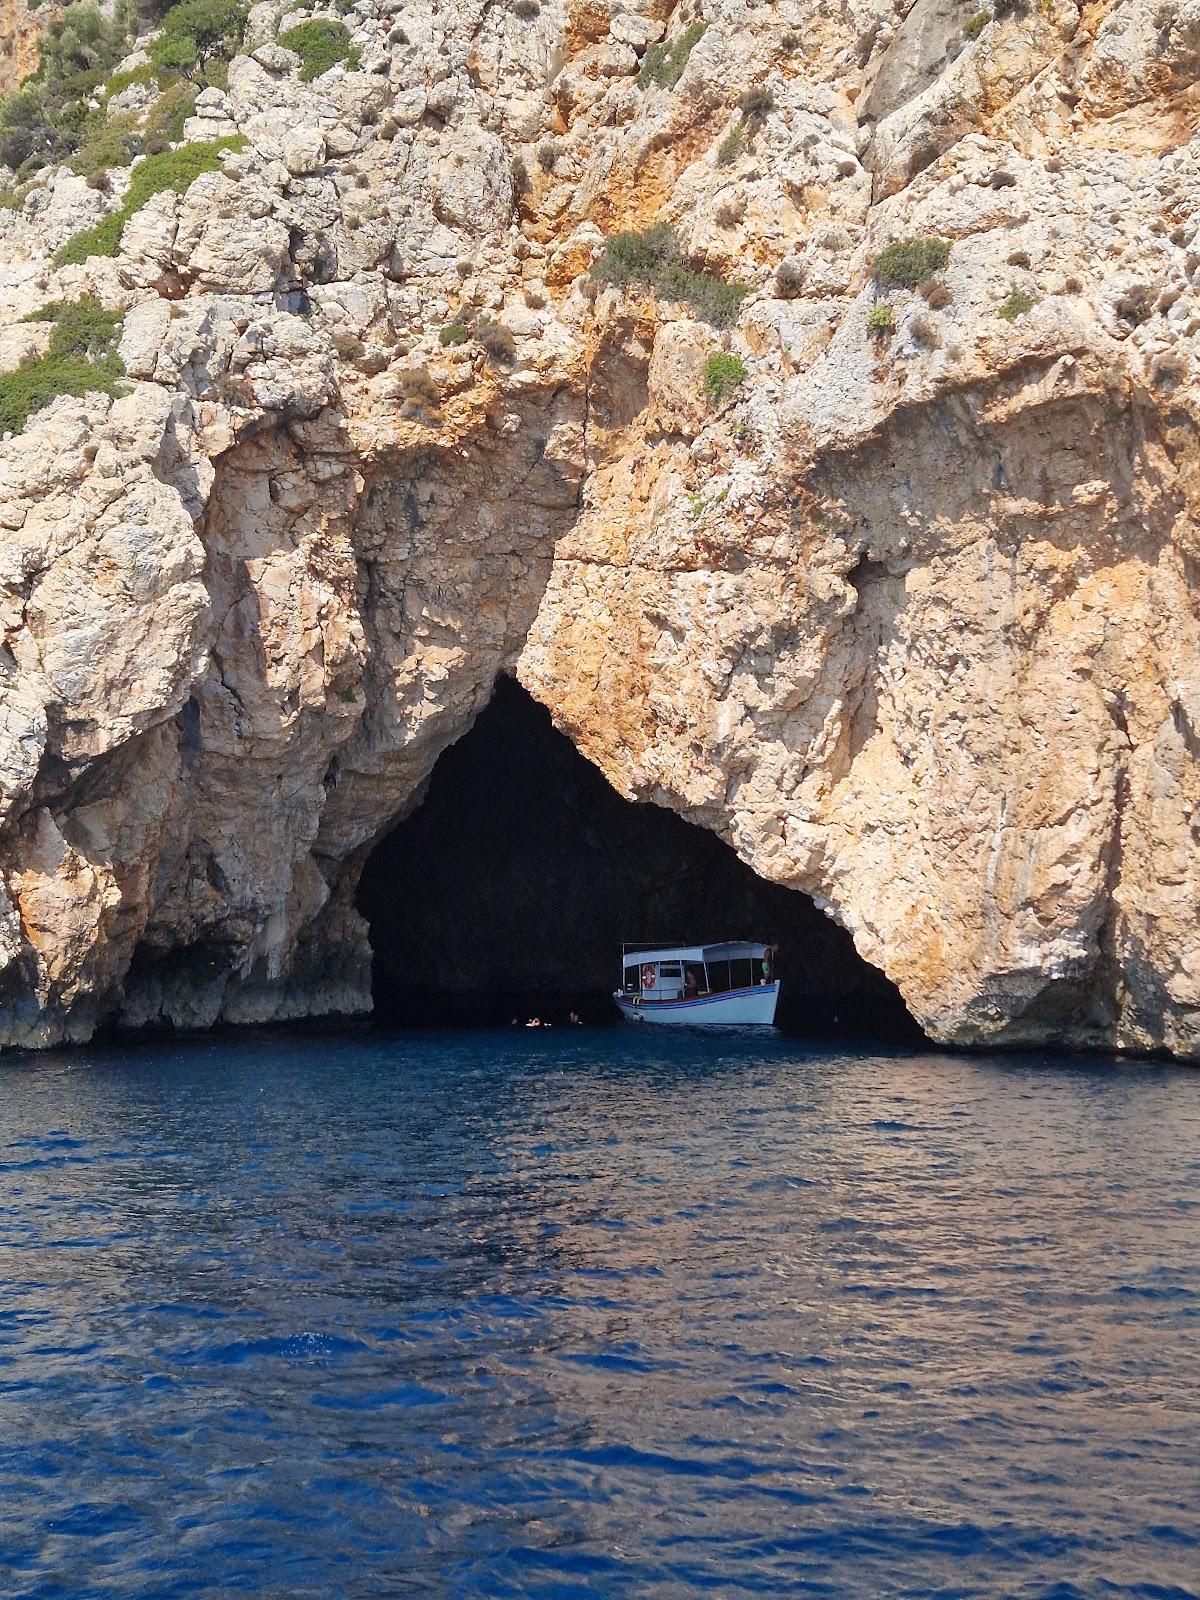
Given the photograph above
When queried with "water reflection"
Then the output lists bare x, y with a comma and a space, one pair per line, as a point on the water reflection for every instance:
595, 1313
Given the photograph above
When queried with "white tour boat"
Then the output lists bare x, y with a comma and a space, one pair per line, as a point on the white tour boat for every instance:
699, 985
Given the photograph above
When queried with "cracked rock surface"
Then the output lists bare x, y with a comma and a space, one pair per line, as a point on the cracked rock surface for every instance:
908, 616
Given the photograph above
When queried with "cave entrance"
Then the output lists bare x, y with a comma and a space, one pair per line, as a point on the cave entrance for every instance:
510, 889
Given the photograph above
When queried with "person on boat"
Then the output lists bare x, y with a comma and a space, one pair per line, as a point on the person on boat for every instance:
768, 953
690, 987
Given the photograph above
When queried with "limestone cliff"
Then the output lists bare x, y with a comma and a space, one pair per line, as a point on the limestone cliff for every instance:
19, 33
903, 607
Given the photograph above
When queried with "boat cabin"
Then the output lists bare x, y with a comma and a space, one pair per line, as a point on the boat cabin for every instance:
682, 972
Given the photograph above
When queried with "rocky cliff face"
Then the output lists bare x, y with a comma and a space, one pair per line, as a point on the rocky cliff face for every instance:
903, 608
19, 33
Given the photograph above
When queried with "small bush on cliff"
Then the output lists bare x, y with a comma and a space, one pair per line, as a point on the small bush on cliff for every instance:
732, 145
497, 341
169, 112
975, 25
711, 299
419, 392
880, 321
172, 169
82, 327
637, 257
663, 64
114, 144
757, 103
1018, 303
909, 263
320, 44
120, 81
653, 258
723, 373
494, 338
196, 32
1136, 305
789, 278
81, 359
28, 135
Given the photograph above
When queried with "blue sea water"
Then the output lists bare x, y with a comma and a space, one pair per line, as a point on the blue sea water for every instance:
596, 1313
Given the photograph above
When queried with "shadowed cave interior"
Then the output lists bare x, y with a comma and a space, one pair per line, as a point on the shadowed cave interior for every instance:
508, 892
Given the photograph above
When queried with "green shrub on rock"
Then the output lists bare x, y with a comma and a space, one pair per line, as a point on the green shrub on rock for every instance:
1018, 303
663, 64
103, 239
723, 373
636, 257
712, 299
497, 341
170, 111
114, 144
757, 103
120, 81
35, 383
320, 44
732, 146
81, 359
173, 169
909, 263
195, 32
82, 327
653, 257
29, 136
13, 199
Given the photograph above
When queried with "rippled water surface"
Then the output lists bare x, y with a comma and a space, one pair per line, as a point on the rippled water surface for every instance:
595, 1313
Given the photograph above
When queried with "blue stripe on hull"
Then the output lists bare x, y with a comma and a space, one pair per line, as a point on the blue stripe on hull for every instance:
645, 1010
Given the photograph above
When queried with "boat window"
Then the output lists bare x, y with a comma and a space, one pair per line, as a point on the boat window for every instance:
670, 969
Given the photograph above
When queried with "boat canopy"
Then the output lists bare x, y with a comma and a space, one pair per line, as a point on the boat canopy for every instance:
736, 950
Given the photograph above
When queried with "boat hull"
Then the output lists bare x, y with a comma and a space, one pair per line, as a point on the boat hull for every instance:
738, 1008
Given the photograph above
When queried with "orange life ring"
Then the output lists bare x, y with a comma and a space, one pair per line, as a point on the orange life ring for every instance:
649, 976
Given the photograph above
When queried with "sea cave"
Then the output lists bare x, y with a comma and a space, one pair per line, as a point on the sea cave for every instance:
508, 892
